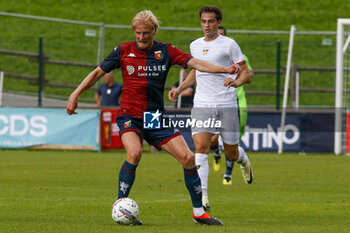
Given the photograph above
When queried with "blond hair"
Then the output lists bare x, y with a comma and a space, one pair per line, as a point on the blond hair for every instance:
146, 17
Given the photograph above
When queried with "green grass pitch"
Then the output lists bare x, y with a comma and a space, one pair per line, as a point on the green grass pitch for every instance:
64, 191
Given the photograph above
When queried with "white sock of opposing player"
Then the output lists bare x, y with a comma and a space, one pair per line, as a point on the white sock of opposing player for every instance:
198, 211
202, 168
242, 157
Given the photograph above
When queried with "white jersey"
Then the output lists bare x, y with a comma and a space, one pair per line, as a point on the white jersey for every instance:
210, 90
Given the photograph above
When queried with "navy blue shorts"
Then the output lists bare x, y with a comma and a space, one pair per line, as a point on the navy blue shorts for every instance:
155, 137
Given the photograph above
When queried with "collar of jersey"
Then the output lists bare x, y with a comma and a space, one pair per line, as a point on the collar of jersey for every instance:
145, 51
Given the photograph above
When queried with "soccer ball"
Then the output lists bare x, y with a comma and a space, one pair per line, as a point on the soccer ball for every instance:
125, 211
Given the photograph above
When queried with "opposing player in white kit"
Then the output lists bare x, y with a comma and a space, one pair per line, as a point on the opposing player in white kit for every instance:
216, 97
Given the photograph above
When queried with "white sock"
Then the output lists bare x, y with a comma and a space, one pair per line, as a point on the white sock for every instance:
242, 157
198, 211
204, 192
205, 198
203, 170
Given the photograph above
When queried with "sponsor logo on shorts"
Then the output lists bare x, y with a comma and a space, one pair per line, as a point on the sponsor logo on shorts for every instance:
127, 124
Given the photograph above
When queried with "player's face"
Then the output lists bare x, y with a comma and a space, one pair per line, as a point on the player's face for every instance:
209, 25
144, 36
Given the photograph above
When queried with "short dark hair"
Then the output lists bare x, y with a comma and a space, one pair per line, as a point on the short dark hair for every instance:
211, 9
224, 29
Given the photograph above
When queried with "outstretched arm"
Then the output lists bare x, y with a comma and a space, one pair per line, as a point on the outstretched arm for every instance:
205, 66
88, 81
189, 81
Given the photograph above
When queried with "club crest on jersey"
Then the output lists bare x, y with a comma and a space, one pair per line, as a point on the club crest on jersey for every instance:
127, 124
158, 54
205, 51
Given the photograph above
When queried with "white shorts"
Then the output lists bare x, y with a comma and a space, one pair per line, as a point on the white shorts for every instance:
217, 120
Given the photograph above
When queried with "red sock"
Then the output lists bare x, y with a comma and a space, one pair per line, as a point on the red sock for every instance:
205, 215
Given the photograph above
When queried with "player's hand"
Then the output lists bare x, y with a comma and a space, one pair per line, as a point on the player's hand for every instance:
173, 94
230, 82
72, 104
233, 69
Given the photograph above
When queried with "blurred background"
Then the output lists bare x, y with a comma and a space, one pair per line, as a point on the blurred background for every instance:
78, 35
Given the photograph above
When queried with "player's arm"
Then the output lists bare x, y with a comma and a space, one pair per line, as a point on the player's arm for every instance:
245, 76
250, 69
250, 76
187, 92
189, 81
250, 73
208, 67
88, 82
98, 99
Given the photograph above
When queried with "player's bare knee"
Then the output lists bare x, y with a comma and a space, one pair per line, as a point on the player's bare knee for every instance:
134, 156
204, 149
188, 160
232, 155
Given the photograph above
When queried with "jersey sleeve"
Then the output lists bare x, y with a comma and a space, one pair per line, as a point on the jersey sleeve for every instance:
112, 61
177, 56
236, 54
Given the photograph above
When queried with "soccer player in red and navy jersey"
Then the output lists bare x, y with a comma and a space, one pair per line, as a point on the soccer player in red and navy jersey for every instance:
145, 64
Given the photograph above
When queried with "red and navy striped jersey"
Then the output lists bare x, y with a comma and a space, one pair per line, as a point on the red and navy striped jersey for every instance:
144, 74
